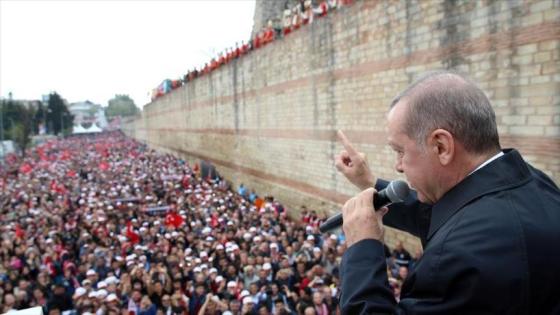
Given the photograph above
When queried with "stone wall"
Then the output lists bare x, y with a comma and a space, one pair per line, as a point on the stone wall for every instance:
269, 119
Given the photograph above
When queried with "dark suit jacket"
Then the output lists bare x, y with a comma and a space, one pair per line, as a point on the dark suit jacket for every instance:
491, 246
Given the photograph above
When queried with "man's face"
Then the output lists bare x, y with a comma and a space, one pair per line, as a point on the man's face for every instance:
418, 165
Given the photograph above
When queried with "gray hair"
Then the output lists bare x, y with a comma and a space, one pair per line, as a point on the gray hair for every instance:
447, 100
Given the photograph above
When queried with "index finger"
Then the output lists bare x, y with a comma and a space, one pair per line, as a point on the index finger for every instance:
346, 144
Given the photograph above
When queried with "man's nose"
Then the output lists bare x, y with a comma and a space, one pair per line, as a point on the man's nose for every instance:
398, 166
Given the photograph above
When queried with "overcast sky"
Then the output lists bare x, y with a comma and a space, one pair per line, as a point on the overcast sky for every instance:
95, 49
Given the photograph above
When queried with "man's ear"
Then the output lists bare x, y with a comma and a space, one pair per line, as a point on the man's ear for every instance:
442, 144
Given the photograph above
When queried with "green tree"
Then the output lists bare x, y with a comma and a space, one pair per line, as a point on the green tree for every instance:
121, 105
18, 123
59, 119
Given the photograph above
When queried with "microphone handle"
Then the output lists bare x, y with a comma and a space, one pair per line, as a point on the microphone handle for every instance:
335, 221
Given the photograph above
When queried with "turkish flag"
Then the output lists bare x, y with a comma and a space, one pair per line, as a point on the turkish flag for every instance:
53, 185
214, 221
173, 219
132, 236
103, 166
25, 168
19, 232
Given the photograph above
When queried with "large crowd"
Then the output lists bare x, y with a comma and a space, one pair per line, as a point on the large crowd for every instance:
295, 16
104, 225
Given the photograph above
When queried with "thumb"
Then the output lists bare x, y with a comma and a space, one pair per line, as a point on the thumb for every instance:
382, 212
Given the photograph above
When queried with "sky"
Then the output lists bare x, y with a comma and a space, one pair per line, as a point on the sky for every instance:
92, 50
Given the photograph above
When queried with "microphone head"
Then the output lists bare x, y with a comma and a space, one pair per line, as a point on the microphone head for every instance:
397, 191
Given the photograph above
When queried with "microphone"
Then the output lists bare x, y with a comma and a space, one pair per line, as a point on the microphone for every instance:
396, 191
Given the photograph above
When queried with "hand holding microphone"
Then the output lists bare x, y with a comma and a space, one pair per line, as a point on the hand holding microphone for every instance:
396, 191
361, 220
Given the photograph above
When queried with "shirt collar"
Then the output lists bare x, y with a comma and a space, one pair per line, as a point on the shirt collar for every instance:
499, 154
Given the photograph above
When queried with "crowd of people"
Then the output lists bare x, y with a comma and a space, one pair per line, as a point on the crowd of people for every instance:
302, 13
104, 225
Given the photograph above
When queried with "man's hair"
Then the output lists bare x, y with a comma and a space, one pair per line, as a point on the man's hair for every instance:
450, 101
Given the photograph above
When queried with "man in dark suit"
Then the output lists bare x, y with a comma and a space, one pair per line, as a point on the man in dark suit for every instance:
489, 222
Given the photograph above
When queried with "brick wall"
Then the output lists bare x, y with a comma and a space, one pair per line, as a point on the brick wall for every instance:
269, 119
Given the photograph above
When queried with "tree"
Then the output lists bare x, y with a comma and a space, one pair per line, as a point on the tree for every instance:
58, 116
121, 105
18, 123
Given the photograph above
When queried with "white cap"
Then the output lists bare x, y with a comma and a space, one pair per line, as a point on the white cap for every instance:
91, 272
92, 294
273, 245
203, 254
101, 284
219, 247
266, 266
79, 292
244, 293
102, 293
247, 300
231, 284
219, 279
213, 270
310, 238
111, 297
112, 280
316, 249
197, 269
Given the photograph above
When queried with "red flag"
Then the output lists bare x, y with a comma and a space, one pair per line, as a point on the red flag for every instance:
19, 232
103, 166
53, 185
214, 221
173, 219
61, 189
25, 168
133, 237
71, 173
65, 155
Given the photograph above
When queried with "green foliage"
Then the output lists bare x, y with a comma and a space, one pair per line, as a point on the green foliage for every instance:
58, 116
18, 123
121, 105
